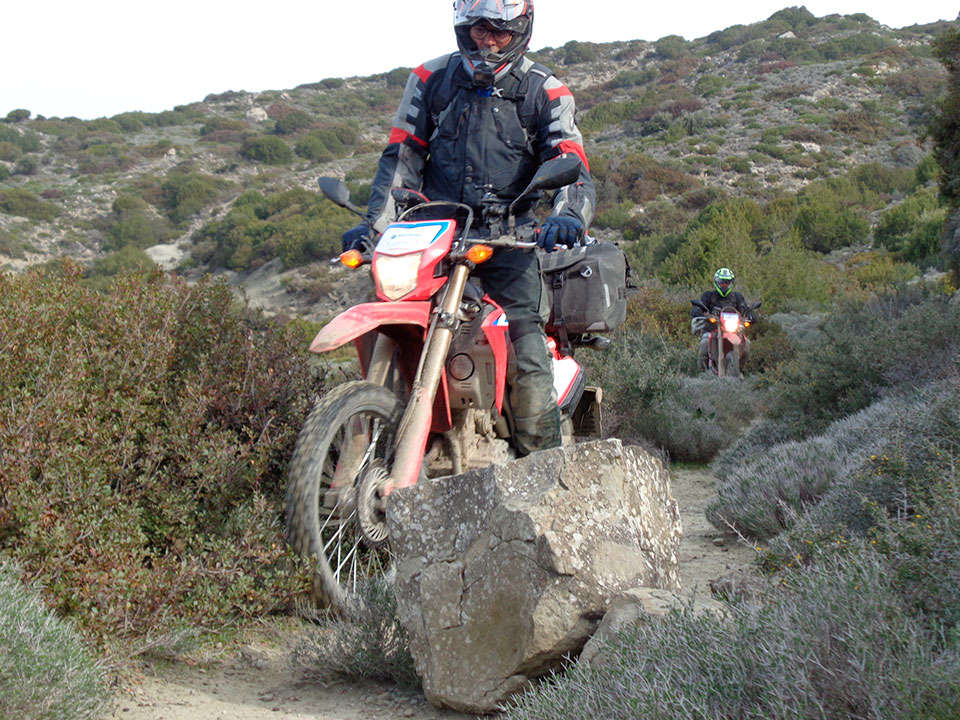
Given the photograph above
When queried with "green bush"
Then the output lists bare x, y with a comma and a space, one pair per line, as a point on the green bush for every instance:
297, 226
15, 116
219, 124
575, 52
913, 227
46, 673
23, 203
9, 152
27, 141
827, 220
4, 173
103, 158
144, 491
267, 149
671, 47
327, 143
183, 195
292, 122
128, 258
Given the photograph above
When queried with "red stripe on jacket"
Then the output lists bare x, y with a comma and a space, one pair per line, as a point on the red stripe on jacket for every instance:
554, 93
422, 73
569, 146
398, 136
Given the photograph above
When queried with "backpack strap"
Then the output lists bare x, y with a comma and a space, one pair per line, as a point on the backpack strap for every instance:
523, 89
530, 88
557, 282
441, 94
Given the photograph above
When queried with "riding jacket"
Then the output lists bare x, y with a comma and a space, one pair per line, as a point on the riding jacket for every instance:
713, 300
453, 141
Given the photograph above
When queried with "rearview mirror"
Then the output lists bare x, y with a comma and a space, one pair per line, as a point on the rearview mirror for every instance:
334, 189
557, 173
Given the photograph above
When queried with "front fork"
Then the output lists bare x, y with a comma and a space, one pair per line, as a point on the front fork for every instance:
415, 424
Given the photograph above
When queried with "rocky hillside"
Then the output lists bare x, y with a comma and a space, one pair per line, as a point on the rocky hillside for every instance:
227, 184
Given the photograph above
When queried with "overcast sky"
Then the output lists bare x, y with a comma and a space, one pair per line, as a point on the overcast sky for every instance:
102, 57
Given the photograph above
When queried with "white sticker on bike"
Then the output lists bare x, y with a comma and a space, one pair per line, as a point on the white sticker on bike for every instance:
403, 238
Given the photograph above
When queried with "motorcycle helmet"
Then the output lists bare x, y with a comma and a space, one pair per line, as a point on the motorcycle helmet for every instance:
723, 281
515, 16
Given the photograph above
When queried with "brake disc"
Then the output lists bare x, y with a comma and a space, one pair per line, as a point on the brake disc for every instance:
372, 505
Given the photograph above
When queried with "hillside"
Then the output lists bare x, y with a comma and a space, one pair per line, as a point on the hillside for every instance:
670, 126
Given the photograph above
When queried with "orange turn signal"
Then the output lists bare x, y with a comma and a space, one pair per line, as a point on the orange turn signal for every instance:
479, 254
352, 258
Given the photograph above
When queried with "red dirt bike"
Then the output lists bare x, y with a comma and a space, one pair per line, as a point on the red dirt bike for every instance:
725, 337
433, 351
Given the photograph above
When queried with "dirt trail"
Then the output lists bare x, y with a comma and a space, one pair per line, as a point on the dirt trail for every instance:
257, 683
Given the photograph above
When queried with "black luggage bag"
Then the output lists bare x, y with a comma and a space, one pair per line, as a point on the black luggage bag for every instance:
587, 286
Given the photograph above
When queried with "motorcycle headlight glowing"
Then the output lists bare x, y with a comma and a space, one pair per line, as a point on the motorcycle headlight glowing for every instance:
397, 275
730, 322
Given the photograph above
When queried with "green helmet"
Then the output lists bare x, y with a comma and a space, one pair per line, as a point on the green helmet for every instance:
723, 281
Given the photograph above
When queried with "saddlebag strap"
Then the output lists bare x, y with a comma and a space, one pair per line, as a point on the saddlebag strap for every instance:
558, 282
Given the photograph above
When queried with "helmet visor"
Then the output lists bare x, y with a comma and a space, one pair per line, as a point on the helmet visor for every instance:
724, 286
502, 14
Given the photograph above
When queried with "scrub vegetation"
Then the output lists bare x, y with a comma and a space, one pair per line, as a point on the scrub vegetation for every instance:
146, 422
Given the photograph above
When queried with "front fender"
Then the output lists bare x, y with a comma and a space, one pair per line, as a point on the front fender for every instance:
366, 317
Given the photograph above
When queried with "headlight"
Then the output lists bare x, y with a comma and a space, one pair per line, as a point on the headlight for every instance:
397, 275
730, 321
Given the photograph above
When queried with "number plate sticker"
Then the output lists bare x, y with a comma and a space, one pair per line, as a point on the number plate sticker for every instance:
403, 238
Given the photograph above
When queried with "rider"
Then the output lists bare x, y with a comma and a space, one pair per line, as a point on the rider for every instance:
723, 295
478, 121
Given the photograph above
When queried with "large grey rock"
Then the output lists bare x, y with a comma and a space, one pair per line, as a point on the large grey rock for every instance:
504, 571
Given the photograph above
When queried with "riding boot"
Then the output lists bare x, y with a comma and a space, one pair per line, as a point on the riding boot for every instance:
703, 352
533, 399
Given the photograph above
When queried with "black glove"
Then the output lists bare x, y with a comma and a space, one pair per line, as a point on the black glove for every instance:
560, 230
354, 238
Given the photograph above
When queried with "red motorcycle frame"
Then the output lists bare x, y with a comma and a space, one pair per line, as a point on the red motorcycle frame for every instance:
434, 352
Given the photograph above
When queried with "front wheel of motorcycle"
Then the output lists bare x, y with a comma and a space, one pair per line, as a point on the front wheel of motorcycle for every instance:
350, 432
732, 364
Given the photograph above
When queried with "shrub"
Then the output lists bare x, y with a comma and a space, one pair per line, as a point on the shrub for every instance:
46, 673
9, 152
144, 491
327, 143
219, 124
4, 173
26, 141
575, 52
825, 221
26, 165
183, 195
913, 227
102, 158
297, 226
24, 203
632, 78
371, 645
128, 259
293, 121
397, 77
19, 115
835, 643
671, 47
268, 149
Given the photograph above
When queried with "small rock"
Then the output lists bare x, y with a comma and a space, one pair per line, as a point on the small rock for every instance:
719, 542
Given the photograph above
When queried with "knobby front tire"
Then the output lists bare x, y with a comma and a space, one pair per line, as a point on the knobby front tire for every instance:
350, 429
